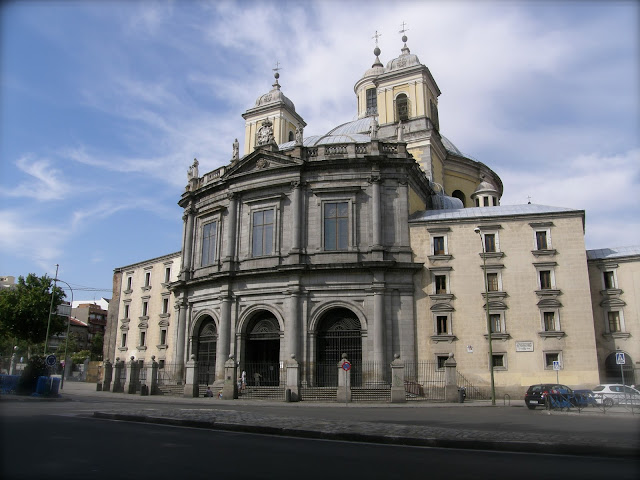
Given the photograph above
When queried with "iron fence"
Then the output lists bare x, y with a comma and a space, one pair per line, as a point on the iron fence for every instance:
473, 392
169, 373
263, 381
206, 373
424, 381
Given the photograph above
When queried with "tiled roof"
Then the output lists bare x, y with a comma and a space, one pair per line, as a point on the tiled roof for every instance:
615, 252
481, 212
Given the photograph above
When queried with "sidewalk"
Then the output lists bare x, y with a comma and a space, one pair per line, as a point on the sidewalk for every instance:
400, 424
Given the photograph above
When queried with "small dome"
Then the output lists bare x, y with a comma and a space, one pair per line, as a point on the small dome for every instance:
450, 147
275, 96
485, 187
406, 58
440, 201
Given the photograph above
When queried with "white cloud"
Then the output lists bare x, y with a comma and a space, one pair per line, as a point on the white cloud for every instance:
44, 183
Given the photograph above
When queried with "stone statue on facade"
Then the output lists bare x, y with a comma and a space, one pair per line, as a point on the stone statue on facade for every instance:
236, 150
299, 132
373, 129
193, 171
265, 133
400, 129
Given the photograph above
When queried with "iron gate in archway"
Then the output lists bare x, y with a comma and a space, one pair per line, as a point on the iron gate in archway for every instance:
338, 333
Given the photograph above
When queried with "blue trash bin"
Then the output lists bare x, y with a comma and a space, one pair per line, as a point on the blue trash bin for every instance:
55, 385
43, 386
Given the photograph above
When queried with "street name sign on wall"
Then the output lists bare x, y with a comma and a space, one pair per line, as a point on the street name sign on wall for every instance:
524, 346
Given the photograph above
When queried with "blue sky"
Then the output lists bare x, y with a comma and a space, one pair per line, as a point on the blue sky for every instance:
104, 105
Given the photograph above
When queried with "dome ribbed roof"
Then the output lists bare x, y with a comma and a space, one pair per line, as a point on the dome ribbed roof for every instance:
275, 96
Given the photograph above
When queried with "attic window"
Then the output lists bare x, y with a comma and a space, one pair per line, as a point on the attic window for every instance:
291, 138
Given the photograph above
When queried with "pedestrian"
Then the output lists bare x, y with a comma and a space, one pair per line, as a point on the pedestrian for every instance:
239, 383
256, 379
208, 393
244, 380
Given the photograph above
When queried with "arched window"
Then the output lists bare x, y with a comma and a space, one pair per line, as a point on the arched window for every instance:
291, 137
460, 196
372, 102
402, 107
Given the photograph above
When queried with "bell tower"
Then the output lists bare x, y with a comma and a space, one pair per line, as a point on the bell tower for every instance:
271, 108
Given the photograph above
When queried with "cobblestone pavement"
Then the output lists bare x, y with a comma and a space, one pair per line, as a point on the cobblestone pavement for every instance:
304, 421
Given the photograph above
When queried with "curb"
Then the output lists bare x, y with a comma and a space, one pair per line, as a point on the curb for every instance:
497, 446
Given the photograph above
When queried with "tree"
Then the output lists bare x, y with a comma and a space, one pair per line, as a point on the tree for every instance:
24, 309
96, 346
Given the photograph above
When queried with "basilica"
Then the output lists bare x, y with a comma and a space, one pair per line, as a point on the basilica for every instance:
378, 240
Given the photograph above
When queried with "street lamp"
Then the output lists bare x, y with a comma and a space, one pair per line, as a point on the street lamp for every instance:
486, 291
66, 343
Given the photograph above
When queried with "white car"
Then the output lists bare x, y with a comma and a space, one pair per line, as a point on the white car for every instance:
616, 394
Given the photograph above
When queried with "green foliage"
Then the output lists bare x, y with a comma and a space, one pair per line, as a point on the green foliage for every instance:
80, 356
24, 310
97, 343
68, 345
29, 379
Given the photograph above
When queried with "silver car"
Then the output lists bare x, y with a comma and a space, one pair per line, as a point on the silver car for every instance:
611, 394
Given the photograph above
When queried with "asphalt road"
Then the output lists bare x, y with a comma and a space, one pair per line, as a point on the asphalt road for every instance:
62, 445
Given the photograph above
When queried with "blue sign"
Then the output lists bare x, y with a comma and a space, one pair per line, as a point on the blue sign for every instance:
556, 365
346, 366
620, 360
50, 361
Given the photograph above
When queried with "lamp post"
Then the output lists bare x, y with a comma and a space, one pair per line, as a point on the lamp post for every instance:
486, 291
66, 343
53, 291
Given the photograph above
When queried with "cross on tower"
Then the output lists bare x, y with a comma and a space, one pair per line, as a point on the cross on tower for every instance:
278, 67
403, 28
376, 36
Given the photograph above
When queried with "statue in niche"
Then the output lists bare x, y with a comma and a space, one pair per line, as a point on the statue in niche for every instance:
236, 150
373, 129
299, 132
193, 170
265, 133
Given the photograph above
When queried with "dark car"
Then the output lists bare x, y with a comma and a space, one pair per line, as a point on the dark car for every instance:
537, 395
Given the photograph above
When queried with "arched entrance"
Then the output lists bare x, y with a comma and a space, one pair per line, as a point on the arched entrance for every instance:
613, 372
262, 350
206, 352
338, 332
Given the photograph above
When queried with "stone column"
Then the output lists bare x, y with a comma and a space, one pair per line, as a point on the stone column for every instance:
191, 386
117, 385
108, 373
293, 378
152, 376
397, 380
450, 380
230, 386
131, 384
378, 320
344, 381
230, 240
223, 337
182, 327
292, 322
296, 222
187, 248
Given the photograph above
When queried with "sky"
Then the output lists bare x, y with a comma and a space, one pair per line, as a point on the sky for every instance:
105, 104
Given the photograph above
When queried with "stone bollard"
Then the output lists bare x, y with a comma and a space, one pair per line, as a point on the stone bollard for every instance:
191, 387
450, 380
152, 376
343, 393
131, 383
397, 380
230, 386
106, 379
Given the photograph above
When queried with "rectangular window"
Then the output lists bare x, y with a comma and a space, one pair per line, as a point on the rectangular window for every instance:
545, 279
441, 359
262, 233
442, 322
541, 240
124, 340
549, 321
496, 322
145, 309
485, 201
498, 360
165, 305
336, 226
614, 321
167, 274
129, 280
492, 282
490, 242
209, 235
372, 101
438, 246
441, 284
163, 336
147, 279
126, 311
143, 338
609, 280
551, 357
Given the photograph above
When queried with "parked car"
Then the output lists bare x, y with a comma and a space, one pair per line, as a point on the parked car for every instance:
584, 398
611, 394
537, 395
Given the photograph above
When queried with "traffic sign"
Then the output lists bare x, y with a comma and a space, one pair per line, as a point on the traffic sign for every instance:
556, 365
620, 360
346, 366
50, 361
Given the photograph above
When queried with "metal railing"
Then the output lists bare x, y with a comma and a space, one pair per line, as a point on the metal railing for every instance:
424, 381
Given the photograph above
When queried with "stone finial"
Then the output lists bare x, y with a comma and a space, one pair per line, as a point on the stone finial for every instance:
344, 355
192, 173
293, 356
132, 358
153, 358
450, 354
396, 356
192, 357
